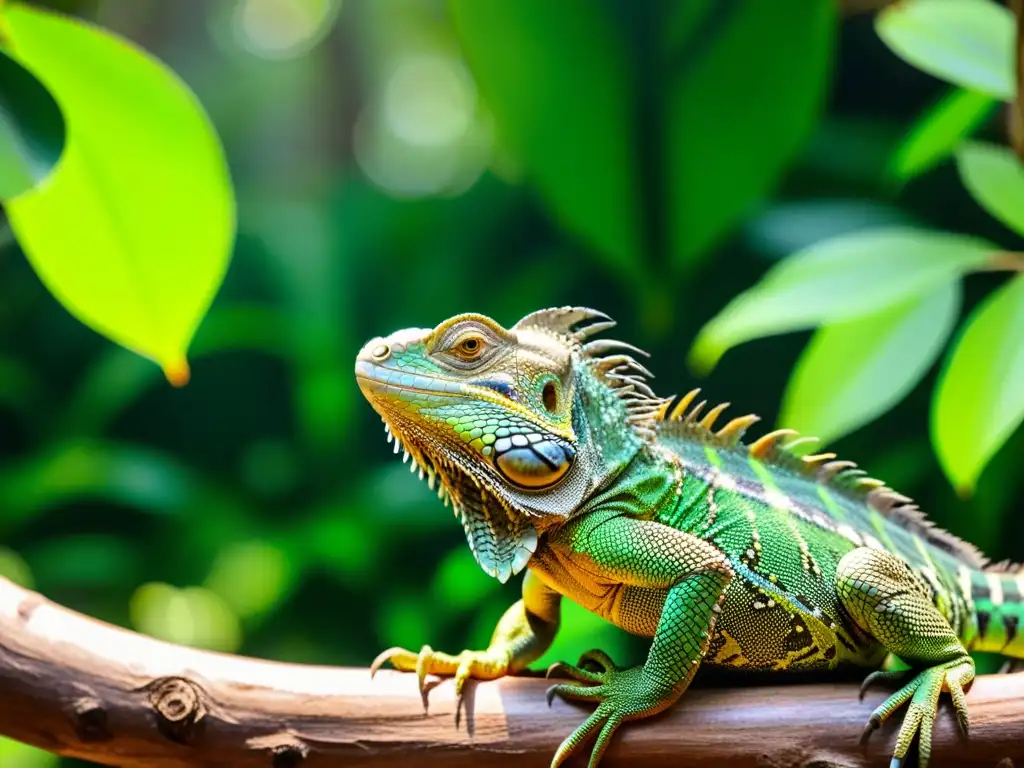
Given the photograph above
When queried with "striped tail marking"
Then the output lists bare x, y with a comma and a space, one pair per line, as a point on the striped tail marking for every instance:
999, 608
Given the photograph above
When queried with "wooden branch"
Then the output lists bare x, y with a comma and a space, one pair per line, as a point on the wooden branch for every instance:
76, 686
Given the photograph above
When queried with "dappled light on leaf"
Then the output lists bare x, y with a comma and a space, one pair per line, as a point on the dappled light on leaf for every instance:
979, 399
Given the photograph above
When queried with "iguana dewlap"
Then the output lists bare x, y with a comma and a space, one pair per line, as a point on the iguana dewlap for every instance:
561, 462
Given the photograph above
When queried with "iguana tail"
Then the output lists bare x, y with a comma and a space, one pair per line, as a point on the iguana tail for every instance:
998, 596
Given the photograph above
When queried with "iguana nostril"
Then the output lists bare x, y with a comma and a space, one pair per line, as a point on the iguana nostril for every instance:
380, 352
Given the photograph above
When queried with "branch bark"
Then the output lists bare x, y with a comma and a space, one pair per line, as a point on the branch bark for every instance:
77, 686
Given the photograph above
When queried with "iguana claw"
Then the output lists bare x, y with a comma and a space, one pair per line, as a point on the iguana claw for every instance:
923, 694
480, 665
621, 695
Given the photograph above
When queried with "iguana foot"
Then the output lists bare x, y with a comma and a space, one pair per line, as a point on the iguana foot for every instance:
923, 694
478, 665
621, 693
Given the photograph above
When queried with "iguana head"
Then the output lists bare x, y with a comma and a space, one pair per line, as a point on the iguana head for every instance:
517, 426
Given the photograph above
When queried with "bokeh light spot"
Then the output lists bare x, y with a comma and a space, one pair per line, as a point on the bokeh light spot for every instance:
279, 29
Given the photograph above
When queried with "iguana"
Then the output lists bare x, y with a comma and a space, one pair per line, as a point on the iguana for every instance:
561, 461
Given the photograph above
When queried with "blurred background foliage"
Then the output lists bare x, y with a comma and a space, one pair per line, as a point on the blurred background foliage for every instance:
396, 162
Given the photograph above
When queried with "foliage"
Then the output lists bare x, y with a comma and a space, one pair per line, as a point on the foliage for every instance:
147, 279
848, 284
396, 162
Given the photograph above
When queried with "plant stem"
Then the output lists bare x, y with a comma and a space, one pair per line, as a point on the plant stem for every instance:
1004, 261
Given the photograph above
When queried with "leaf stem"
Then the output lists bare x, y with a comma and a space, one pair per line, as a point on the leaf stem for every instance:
1004, 261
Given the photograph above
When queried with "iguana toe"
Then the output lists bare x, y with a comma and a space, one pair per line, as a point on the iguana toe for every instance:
480, 665
923, 693
621, 695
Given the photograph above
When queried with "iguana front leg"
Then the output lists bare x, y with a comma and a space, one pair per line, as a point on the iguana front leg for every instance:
882, 594
522, 635
648, 561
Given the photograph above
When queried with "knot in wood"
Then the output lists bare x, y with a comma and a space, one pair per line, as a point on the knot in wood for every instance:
179, 706
90, 719
289, 754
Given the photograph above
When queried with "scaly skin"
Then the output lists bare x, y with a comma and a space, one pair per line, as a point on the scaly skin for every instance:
561, 461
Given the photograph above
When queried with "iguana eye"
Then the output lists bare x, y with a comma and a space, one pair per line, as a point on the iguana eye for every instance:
469, 348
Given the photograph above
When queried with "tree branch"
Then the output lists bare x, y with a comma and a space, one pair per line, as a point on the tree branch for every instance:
77, 686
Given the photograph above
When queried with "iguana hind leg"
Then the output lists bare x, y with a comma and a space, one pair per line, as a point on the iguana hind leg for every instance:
522, 635
886, 599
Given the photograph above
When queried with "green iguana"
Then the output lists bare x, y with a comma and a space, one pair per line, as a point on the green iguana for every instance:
561, 461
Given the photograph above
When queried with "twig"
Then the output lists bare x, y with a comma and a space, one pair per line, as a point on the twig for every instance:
1004, 261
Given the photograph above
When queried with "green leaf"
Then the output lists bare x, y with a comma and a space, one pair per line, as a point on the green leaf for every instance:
979, 399
995, 178
142, 192
852, 372
839, 279
14, 754
937, 133
555, 77
966, 42
31, 129
724, 154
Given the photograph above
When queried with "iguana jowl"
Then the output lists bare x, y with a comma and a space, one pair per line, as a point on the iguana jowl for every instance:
560, 460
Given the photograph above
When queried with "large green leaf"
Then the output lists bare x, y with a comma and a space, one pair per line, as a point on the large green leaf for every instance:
995, 178
979, 400
937, 133
853, 372
133, 230
966, 42
839, 279
31, 129
740, 112
555, 76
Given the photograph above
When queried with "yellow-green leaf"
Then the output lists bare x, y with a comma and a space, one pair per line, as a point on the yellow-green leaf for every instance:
979, 399
965, 42
839, 279
995, 178
133, 230
937, 133
852, 372
14, 754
